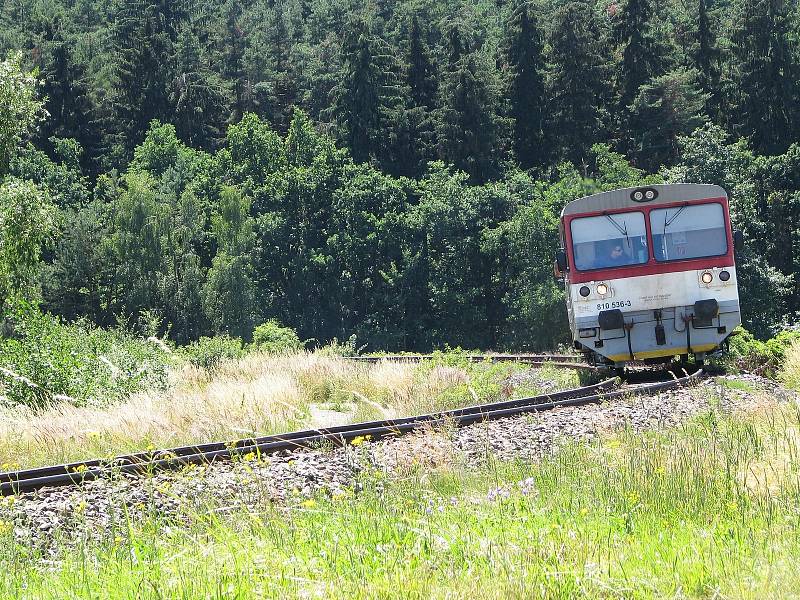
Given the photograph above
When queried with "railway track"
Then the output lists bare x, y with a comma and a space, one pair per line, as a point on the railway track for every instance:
145, 462
568, 361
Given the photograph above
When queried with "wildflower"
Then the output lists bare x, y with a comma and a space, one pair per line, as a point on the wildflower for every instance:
250, 456
81, 506
633, 497
93, 435
584, 511
357, 441
5, 527
80, 469
614, 444
526, 486
310, 503
498, 494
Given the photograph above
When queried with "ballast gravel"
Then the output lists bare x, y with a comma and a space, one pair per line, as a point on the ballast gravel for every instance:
105, 509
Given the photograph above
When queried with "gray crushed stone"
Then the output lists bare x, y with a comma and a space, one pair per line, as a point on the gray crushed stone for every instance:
104, 509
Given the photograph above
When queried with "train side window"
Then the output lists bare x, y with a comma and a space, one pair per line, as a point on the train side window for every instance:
684, 232
607, 241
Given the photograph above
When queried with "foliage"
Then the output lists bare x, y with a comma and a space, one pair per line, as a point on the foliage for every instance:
44, 360
20, 109
26, 222
762, 357
209, 352
271, 337
224, 166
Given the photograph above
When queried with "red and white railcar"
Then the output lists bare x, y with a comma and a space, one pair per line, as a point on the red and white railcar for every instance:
650, 272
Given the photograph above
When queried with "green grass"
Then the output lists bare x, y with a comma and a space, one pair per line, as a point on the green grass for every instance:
737, 384
707, 510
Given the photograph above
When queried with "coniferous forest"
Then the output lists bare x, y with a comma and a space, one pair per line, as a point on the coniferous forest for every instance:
392, 170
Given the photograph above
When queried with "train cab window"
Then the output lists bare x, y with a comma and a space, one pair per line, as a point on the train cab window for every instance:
607, 241
688, 232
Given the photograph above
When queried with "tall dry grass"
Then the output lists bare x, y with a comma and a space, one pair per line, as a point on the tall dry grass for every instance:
256, 395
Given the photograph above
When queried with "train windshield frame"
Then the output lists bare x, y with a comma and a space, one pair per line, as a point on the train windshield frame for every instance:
609, 240
688, 231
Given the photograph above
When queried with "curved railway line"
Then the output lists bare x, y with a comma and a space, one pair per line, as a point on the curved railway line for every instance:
30, 480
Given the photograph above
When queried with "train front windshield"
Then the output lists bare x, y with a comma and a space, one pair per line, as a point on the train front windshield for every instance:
688, 232
613, 240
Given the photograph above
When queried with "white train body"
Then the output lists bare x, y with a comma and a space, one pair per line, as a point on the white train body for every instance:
650, 278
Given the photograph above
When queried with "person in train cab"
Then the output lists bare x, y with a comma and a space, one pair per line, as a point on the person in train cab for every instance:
615, 257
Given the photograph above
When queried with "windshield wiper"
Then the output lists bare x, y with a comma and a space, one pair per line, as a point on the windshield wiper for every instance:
623, 229
675, 216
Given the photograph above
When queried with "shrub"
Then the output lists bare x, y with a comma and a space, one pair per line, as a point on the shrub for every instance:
337, 348
43, 359
764, 358
273, 338
790, 372
208, 352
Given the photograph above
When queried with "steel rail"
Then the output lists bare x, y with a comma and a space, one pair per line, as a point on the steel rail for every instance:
563, 361
475, 358
75, 473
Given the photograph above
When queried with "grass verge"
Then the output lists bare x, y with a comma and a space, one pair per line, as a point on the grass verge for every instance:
257, 394
706, 510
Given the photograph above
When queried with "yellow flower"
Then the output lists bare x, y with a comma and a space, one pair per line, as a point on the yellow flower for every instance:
358, 440
584, 511
81, 506
308, 503
614, 444
250, 456
80, 469
5, 527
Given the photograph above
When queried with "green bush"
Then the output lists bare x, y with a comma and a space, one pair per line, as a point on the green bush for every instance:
42, 359
208, 352
337, 348
273, 338
763, 358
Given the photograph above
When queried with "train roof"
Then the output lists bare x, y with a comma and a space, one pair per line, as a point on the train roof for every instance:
622, 198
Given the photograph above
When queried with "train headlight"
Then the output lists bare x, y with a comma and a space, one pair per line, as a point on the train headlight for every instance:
584, 291
707, 277
638, 195
650, 194
724, 275
602, 289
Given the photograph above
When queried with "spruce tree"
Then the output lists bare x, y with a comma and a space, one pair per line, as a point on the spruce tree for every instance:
526, 87
642, 55
578, 81
468, 128
143, 52
197, 94
367, 97
706, 58
765, 87
69, 102
421, 70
